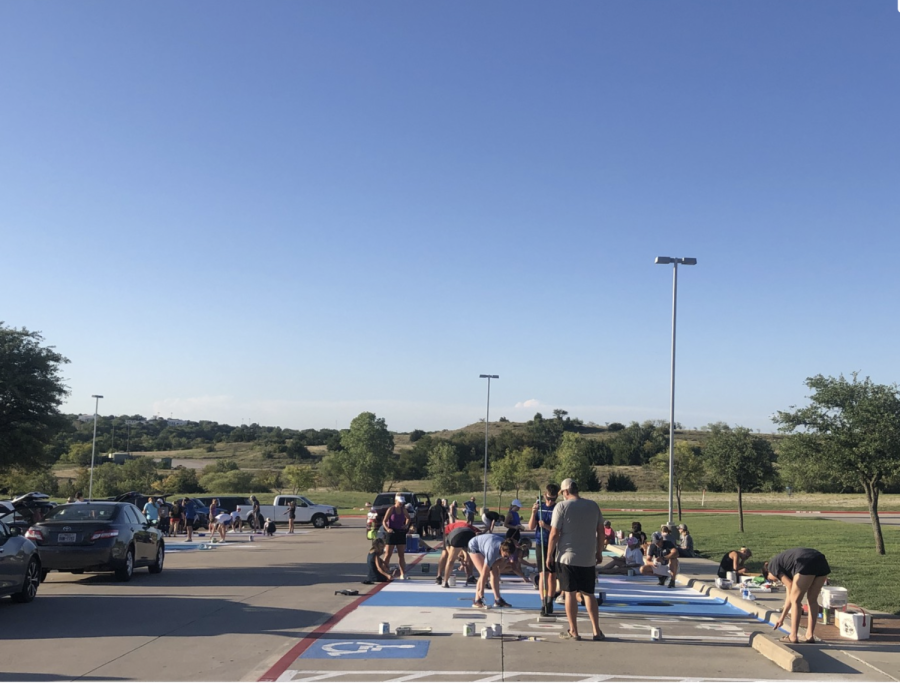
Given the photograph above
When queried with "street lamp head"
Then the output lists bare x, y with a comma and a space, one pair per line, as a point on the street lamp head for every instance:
663, 260
689, 261
495, 377
686, 261
96, 396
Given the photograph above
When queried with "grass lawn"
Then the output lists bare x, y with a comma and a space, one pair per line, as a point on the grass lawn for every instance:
849, 548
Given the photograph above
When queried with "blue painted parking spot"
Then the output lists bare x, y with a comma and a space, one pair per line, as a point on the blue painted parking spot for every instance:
365, 649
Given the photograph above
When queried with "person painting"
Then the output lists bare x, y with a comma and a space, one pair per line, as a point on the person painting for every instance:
486, 552
733, 561
577, 532
457, 536
609, 532
395, 523
379, 571
661, 554
803, 573
489, 518
541, 518
632, 560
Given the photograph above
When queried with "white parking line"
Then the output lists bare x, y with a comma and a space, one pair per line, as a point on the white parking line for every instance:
470, 675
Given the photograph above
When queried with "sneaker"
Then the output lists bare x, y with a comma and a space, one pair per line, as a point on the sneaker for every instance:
438, 580
561, 600
600, 636
478, 603
446, 585
672, 583
405, 577
536, 580
502, 604
471, 580
662, 581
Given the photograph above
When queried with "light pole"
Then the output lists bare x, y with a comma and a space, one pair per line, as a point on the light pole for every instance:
687, 261
487, 424
97, 398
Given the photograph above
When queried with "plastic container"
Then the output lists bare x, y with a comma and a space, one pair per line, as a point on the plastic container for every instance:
833, 597
412, 543
723, 583
655, 634
497, 629
468, 629
856, 626
733, 577
384, 628
487, 633
451, 581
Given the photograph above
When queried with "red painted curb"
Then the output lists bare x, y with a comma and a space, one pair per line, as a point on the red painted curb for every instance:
298, 649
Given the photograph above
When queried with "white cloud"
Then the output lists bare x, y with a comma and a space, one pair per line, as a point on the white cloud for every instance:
529, 403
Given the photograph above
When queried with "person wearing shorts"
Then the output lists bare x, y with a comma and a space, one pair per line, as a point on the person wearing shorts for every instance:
803, 573
577, 533
237, 524
190, 513
395, 523
457, 536
292, 515
488, 552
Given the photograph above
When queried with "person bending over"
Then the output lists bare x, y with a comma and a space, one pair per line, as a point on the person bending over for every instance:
803, 573
487, 553
378, 569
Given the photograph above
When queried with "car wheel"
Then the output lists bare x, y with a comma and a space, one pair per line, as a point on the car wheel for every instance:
30, 583
319, 521
126, 569
157, 567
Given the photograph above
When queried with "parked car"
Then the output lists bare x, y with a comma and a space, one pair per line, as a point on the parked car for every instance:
416, 504
96, 537
20, 566
23, 511
317, 515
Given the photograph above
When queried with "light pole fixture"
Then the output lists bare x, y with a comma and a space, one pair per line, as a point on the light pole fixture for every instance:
487, 424
686, 261
97, 398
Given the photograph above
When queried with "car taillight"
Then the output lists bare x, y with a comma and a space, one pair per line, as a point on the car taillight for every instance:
34, 535
104, 534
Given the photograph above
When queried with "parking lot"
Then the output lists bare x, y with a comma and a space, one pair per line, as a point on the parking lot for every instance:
244, 612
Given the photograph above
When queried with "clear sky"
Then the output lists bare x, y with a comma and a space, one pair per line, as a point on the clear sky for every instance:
289, 212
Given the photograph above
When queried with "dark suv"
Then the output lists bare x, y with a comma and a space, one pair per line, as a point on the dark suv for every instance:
416, 504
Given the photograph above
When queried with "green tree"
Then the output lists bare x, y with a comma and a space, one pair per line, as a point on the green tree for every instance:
17, 481
738, 460
443, 468
366, 459
31, 392
266, 481
298, 478
573, 460
850, 433
180, 480
232, 482
688, 466
503, 476
79, 453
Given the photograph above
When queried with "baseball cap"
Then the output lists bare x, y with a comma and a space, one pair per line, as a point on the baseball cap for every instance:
633, 541
516, 502
400, 499
565, 484
656, 536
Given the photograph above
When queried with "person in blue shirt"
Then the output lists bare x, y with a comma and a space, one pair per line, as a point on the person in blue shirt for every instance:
513, 522
486, 552
471, 510
151, 512
541, 517
190, 512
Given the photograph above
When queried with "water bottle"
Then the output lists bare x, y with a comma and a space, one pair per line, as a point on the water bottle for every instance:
745, 593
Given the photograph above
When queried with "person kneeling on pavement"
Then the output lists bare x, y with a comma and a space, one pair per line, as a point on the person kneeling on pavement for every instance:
662, 560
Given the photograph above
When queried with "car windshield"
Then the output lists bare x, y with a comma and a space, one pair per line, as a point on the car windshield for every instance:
83, 512
384, 500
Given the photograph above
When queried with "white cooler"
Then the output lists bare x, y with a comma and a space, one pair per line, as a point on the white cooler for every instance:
854, 625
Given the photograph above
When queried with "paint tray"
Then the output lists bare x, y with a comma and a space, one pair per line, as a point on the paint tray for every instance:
411, 630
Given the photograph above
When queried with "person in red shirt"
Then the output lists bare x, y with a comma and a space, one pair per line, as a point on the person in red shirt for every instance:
456, 540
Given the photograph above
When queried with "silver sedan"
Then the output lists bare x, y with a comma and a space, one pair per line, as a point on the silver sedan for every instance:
20, 566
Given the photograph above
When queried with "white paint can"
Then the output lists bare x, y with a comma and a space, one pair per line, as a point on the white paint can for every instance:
451, 580
497, 629
487, 633
384, 628
733, 576
655, 634
469, 629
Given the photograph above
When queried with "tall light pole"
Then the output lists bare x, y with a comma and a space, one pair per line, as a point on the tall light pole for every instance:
97, 398
687, 261
487, 424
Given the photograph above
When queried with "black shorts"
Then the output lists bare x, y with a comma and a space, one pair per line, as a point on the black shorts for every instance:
459, 538
815, 565
539, 558
395, 538
577, 578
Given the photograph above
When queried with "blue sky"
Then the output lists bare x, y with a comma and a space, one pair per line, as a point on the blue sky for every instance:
292, 212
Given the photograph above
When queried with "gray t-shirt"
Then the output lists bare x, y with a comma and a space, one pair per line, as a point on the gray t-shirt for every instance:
577, 521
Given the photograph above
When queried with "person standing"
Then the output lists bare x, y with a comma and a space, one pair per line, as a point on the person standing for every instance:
163, 516
175, 518
471, 508
395, 523
151, 511
803, 573
513, 521
292, 514
213, 511
577, 533
541, 518
454, 508
190, 514
256, 519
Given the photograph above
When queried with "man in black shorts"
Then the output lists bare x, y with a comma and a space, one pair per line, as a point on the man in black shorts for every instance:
577, 535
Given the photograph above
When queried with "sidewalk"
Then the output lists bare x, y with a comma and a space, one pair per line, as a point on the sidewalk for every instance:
833, 655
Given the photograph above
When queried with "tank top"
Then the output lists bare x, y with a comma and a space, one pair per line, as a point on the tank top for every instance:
374, 574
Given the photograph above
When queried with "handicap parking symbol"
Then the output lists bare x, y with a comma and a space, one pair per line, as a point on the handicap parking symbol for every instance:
347, 649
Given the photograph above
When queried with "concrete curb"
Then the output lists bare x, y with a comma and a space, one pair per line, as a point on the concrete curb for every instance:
785, 657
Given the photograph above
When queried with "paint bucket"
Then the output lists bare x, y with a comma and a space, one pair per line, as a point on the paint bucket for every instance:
426, 568
487, 633
451, 580
469, 629
631, 572
251, 537
733, 576
655, 634
497, 629
384, 628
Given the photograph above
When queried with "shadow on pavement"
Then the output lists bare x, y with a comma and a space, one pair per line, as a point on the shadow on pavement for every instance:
288, 575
